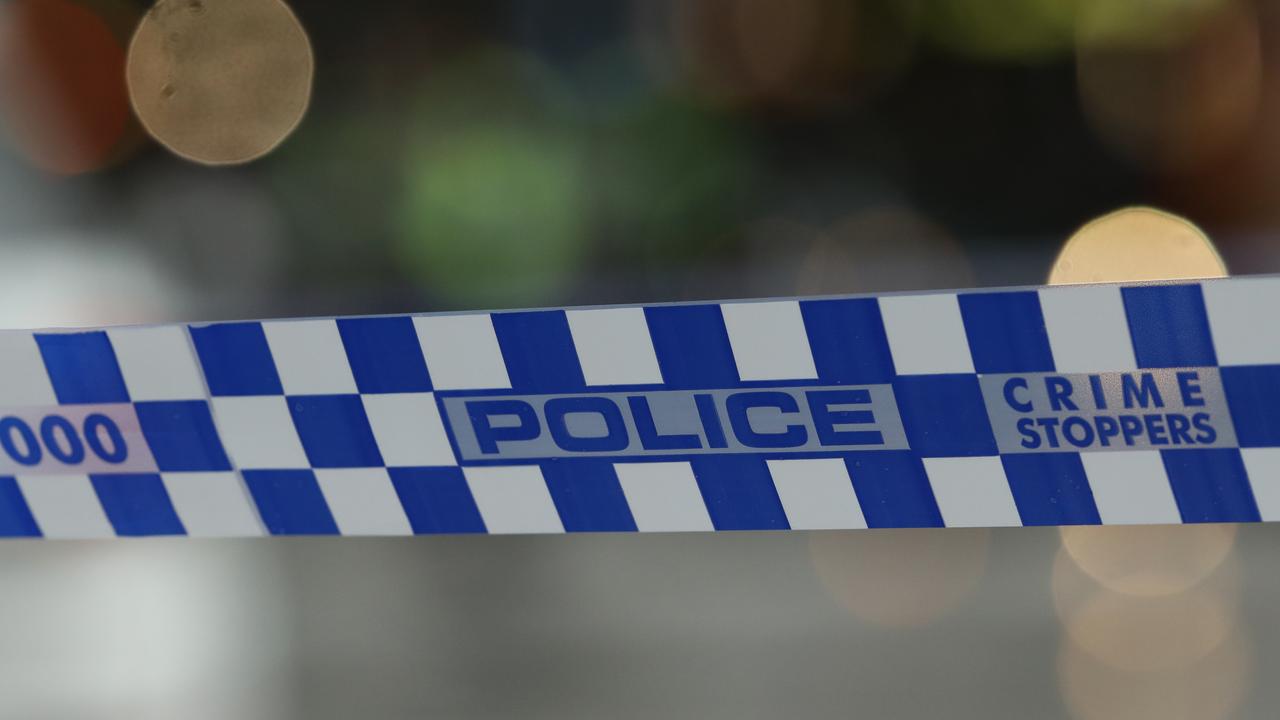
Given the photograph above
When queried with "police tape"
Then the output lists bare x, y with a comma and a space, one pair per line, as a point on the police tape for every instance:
1092, 404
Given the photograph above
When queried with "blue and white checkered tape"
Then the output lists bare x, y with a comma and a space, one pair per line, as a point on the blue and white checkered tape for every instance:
1111, 404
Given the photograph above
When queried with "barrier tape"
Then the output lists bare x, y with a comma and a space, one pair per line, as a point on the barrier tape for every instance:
1113, 404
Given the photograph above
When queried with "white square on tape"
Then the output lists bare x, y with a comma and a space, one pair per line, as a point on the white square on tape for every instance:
769, 340
926, 334
408, 429
1263, 467
972, 492
363, 501
310, 357
1233, 308
614, 346
65, 506
212, 504
513, 499
1088, 329
817, 494
24, 380
462, 352
1131, 488
157, 363
663, 496
258, 432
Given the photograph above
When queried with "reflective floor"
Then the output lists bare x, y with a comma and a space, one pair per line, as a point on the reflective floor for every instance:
966, 624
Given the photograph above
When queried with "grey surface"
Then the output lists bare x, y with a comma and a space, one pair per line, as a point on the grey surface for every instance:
716, 626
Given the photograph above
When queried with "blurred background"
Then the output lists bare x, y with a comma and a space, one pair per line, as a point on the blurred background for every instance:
415, 156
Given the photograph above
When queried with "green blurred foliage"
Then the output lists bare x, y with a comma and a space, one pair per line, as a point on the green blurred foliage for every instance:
493, 209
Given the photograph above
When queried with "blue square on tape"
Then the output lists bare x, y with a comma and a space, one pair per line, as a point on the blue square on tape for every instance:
692, 346
539, 351
436, 500
335, 431
1051, 489
236, 359
290, 502
944, 415
1210, 485
182, 436
137, 504
848, 340
739, 493
1169, 326
893, 489
384, 354
1006, 332
1253, 394
587, 495
16, 519
82, 367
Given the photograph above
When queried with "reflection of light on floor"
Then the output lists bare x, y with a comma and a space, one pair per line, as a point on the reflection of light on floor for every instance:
900, 578
1209, 689
1149, 613
1144, 633
1149, 560
220, 82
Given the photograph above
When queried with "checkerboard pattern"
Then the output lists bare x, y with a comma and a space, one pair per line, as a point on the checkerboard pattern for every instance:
331, 426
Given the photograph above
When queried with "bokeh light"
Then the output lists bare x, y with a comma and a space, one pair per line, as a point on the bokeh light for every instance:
1145, 632
1209, 689
220, 82
900, 578
1021, 30
806, 54
670, 180
1135, 244
1149, 560
63, 102
493, 210
1174, 105
883, 248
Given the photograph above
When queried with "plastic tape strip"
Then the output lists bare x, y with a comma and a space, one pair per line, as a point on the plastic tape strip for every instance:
1151, 403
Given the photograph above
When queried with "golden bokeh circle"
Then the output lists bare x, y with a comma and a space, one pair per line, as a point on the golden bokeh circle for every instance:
222, 82
1149, 559
1137, 244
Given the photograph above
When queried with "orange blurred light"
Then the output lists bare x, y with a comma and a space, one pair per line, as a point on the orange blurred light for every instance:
62, 92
